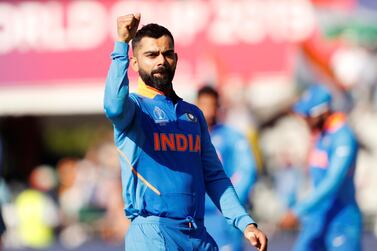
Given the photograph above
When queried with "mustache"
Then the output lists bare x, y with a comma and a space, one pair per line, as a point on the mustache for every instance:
161, 69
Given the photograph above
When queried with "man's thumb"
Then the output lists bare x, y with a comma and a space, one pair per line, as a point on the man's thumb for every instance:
252, 238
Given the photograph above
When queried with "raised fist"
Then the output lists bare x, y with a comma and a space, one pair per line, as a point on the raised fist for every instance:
127, 26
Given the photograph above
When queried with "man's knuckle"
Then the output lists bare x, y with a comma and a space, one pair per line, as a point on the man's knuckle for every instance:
121, 18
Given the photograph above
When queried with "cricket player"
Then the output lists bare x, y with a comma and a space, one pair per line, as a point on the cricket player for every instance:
236, 156
167, 159
330, 216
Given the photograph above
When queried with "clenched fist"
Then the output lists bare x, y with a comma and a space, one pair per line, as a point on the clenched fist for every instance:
256, 237
127, 26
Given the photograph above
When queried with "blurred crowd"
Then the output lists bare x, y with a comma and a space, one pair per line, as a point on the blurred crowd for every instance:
74, 202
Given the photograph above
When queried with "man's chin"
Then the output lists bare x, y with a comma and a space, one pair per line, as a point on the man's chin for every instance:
161, 81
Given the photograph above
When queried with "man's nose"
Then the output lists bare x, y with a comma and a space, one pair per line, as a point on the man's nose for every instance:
161, 60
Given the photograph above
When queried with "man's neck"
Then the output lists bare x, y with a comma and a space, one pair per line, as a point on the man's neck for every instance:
170, 93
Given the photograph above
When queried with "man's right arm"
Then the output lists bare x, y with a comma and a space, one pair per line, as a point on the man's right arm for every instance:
119, 108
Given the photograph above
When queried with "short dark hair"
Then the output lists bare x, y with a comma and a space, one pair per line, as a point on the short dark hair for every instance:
208, 90
151, 30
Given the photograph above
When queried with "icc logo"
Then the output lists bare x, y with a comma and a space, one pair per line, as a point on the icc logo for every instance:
159, 115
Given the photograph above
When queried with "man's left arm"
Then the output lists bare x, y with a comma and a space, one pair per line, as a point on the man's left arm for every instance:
222, 193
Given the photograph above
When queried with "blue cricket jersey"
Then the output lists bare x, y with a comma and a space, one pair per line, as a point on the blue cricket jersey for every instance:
332, 168
236, 156
167, 159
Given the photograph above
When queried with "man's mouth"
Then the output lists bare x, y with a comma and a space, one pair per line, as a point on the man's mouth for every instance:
160, 74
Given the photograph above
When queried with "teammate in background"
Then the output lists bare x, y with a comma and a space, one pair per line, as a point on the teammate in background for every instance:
236, 156
330, 216
168, 162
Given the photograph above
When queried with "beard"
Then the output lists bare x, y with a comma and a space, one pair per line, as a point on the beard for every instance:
162, 82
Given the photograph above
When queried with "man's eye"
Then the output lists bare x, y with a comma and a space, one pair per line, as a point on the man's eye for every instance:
169, 54
151, 54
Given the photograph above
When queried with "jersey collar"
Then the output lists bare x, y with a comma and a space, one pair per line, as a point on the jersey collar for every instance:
335, 121
147, 91
150, 92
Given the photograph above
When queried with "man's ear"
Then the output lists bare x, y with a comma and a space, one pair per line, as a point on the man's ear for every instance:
134, 64
176, 57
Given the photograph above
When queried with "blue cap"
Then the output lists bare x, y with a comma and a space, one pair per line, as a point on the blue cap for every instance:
315, 101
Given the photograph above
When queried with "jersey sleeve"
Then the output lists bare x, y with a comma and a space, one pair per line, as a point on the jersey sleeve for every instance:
342, 155
218, 185
245, 174
118, 106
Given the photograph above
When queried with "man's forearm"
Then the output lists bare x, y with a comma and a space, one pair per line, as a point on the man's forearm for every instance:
225, 198
118, 106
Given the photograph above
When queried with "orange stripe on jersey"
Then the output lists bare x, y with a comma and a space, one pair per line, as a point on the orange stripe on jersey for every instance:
154, 189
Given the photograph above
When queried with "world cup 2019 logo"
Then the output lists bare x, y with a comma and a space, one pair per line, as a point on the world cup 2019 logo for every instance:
159, 115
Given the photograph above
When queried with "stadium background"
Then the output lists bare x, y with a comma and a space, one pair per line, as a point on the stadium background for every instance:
54, 138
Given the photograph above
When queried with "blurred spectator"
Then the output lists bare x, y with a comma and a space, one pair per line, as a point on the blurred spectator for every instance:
90, 197
113, 225
237, 158
364, 120
36, 211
